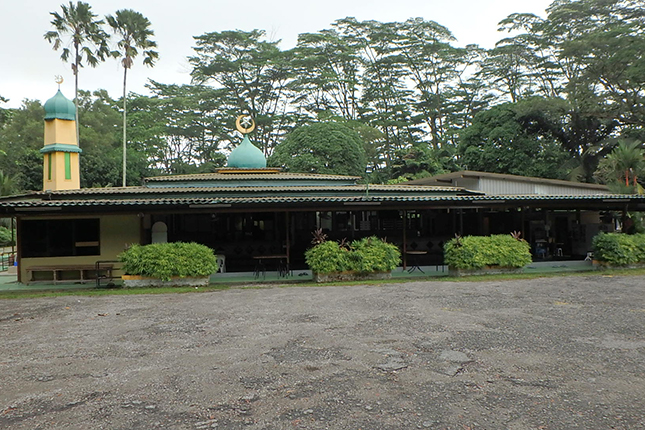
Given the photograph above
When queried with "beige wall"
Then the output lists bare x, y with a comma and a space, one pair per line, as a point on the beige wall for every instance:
58, 181
117, 232
60, 131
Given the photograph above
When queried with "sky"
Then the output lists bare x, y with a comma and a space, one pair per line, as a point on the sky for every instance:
28, 64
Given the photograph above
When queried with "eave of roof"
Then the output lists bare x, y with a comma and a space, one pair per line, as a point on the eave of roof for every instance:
478, 200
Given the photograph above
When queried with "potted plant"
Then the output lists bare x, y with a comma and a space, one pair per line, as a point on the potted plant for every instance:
475, 255
168, 264
367, 258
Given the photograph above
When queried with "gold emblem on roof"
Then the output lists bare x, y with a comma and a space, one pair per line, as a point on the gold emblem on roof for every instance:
245, 124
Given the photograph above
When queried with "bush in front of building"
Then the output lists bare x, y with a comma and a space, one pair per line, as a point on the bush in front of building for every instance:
367, 255
479, 252
169, 260
372, 254
619, 249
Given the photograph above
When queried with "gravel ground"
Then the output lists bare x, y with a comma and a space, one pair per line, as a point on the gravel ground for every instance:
557, 353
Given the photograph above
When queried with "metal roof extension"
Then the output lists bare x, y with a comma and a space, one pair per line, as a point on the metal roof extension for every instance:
317, 202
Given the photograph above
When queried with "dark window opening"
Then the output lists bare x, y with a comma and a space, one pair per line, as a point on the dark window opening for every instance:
60, 238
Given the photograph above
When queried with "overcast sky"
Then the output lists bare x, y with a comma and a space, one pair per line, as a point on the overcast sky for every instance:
28, 64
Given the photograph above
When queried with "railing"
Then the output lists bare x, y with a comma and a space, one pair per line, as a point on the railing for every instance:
7, 260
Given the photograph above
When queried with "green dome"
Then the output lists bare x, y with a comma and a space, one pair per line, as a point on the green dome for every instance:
247, 156
60, 107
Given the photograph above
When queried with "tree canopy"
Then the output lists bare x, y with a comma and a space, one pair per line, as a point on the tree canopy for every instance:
324, 147
553, 98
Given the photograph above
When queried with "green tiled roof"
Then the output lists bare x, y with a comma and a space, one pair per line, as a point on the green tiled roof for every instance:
613, 200
257, 190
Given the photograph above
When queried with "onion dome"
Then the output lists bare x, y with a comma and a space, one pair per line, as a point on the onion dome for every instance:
60, 107
247, 156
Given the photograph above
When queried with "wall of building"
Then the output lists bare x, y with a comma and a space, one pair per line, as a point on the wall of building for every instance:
116, 233
494, 186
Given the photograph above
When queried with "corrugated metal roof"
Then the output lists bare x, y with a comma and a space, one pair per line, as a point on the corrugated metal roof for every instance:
446, 177
256, 189
472, 199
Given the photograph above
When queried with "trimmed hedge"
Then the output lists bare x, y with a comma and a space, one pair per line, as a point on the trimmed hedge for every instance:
168, 260
478, 252
366, 255
619, 249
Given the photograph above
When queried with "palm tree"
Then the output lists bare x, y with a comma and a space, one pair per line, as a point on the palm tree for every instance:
627, 160
8, 185
622, 166
87, 39
134, 30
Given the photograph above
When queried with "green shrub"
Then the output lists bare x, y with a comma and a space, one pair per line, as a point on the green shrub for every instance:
477, 252
167, 260
619, 249
5, 236
370, 254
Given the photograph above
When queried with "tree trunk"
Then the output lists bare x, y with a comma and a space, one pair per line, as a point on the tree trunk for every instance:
78, 137
125, 72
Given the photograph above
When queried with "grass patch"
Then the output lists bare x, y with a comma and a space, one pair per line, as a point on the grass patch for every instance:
294, 283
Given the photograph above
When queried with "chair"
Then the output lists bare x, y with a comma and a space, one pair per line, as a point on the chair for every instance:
221, 263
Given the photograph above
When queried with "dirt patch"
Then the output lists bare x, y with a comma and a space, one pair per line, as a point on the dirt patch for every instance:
557, 353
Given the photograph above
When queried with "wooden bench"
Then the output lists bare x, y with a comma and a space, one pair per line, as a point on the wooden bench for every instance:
69, 273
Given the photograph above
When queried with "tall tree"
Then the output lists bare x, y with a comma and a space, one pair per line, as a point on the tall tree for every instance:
181, 128
386, 96
135, 34
4, 113
21, 138
323, 147
500, 141
254, 74
89, 43
326, 78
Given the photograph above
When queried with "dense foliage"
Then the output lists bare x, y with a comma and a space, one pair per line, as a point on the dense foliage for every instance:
552, 99
168, 260
325, 147
7, 237
619, 249
478, 252
366, 255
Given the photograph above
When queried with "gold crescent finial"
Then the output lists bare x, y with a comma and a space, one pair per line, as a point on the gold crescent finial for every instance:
245, 124
59, 79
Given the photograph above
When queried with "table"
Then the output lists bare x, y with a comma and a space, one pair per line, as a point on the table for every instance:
282, 265
414, 260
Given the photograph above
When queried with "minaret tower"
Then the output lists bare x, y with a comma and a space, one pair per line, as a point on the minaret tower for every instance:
61, 170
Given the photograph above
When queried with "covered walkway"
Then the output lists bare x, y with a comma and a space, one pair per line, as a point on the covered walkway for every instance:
8, 282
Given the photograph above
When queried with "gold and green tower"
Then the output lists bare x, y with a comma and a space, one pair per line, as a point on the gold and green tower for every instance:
61, 169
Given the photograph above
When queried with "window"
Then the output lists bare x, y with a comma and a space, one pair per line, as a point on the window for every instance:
58, 238
68, 165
